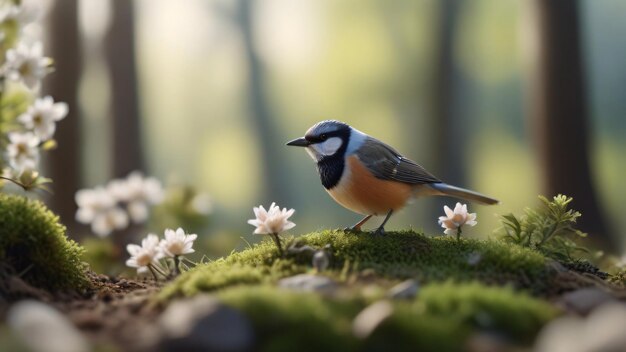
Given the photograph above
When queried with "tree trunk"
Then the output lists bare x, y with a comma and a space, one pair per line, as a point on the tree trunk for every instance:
120, 53
261, 121
559, 111
448, 127
64, 162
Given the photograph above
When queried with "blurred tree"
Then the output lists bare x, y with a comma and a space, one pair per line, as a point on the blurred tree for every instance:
64, 162
448, 127
120, 53
559, 111
261, 119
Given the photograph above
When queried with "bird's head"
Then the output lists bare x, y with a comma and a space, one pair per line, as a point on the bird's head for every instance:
325, 139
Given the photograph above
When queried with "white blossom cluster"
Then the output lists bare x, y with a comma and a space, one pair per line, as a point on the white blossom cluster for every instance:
22, 68
148, 256
120, 202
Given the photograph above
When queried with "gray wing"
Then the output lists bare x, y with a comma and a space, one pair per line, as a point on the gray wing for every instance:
387, 164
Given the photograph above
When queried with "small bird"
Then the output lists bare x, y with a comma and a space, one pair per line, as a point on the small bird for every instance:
368, 176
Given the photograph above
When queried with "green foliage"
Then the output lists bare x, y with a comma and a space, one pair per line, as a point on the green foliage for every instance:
398, 255
440, 318
548, 229
102, 256
11, 30
34, 245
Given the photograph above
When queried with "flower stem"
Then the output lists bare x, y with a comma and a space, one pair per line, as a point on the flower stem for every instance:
176, 265
23, 186
277, 242
157, 269
458, 234
156, 278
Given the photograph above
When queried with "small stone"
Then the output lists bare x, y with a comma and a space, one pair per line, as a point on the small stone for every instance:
370, 318
308, 283
321, 261
44, 329
404, 290
474, 258
602, 330
204, 324
584, 300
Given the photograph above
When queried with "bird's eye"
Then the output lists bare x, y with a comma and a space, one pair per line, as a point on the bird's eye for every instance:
323, 137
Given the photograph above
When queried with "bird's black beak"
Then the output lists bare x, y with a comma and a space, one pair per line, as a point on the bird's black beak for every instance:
299, 142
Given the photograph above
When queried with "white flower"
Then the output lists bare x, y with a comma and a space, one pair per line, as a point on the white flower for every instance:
22, 151
456, 218
272, 221
177, 243
138, 192
42, 116
28, 11
144, 255
27, 64
98, 207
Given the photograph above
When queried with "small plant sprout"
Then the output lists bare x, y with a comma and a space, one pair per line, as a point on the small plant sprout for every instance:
549, 228
42, 116
177, 243
272, 222
146, 257
455, 219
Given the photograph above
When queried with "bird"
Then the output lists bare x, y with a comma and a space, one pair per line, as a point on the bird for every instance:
369, 177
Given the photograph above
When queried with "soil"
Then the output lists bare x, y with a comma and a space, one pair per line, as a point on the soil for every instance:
115, 312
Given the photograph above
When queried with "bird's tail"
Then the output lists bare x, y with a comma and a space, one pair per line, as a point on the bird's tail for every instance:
458, 192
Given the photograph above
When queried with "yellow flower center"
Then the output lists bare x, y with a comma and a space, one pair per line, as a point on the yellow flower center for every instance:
144, 259
175, 248
25, 69
22, 149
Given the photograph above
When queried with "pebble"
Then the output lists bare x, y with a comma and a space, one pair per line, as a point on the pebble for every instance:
308, 283
405, 290
583, 301
366, 322
44, 329
204, 324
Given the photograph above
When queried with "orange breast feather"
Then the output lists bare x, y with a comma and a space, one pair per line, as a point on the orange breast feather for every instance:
363, 193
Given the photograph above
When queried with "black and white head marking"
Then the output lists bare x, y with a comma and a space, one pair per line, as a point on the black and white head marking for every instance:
330, 143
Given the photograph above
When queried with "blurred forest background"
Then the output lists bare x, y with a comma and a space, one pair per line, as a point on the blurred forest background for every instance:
510, 98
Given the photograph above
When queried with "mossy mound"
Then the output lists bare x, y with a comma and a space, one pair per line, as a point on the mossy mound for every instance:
396, 256
33, 246
441, 318
467, 287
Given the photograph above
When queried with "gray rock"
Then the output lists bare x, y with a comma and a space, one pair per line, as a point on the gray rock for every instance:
602, 330
366, 322
405, 290
44, 329
321, 261
204, 324
308, 283
584, 300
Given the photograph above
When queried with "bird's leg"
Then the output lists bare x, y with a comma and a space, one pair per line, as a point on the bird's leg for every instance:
381, 229
357, 226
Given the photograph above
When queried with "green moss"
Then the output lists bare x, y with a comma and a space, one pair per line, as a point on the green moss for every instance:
441, 318
398, 255
33, 244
